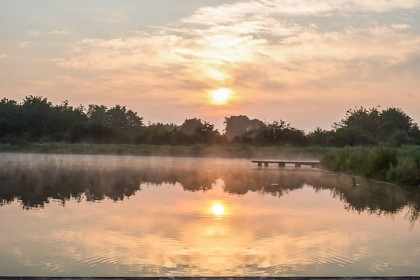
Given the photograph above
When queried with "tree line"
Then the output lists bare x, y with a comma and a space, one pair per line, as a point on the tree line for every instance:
36, 120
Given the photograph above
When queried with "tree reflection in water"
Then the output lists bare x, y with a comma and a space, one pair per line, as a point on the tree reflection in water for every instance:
36, 184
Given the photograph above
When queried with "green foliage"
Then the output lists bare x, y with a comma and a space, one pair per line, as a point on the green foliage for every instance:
275, 133
380, 160
36, 120
383, 163
410, 151
196, 131
406, 172
320, 137
394, 119
189, 126
351, 160
363, 126
10, 122
362, 118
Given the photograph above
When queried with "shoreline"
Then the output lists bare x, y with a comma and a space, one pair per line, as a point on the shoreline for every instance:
241, 151
389, 164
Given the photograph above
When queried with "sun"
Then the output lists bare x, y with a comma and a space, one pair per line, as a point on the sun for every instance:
218, 209
221, 95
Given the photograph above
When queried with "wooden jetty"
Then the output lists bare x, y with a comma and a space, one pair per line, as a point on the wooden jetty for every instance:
282, 163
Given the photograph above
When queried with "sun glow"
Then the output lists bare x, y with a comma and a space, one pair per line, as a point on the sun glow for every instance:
218, 209
221, 95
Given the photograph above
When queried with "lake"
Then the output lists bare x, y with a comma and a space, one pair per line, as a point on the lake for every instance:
75, 215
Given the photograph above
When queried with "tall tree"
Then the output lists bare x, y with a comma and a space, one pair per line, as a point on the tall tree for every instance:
10, 118
237, 126
37, 116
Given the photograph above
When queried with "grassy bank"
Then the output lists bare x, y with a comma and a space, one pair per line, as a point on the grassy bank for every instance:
221, 151
400, 166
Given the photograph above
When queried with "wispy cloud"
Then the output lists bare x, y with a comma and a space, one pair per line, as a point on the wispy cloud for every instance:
2, 55
35, 34
251, 32
267, 50
229, 13
23, 44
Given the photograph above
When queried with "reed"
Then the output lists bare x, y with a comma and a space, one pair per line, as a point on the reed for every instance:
390, 164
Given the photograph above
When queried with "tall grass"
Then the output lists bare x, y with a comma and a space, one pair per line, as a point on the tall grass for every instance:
383, 163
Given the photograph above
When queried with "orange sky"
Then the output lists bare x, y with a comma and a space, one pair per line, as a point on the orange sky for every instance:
305, 62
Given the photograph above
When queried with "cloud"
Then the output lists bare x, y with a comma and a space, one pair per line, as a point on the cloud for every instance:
23, 44
267, 50
229, 13
39, 36
2, 55
217, 49
35, 34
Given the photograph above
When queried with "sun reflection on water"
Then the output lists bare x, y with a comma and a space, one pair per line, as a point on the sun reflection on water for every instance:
171, 229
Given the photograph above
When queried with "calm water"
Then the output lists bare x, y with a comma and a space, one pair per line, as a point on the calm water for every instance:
134, 216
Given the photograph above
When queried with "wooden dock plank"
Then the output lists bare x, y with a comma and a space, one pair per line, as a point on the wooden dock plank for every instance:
287, 161
282, 163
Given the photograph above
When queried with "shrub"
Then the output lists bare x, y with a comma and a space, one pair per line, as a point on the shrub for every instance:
331, 162
406, 172
356, 161
380, 160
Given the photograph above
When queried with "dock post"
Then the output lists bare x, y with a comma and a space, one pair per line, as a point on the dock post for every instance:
298, 165
265, 164
282, 165
259, 164
313, 165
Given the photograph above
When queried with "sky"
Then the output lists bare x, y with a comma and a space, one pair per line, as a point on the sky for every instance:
302, 61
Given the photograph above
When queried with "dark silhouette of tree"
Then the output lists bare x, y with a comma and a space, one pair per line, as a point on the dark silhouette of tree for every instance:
280, 133
36, 120
160, 134
397, 126
37, 117
97, 115
198, 131
205, 133
10, 118
237, 126
190, 126
120, 118
320, 137
362, 126
67, 122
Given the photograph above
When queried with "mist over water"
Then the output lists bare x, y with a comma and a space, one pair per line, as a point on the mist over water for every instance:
77, 215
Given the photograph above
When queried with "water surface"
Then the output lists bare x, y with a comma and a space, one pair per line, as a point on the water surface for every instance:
139, 216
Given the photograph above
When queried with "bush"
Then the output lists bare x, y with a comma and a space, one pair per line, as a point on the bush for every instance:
356, 161
331, 162
381, 163
405, 172
347, 160
380, 160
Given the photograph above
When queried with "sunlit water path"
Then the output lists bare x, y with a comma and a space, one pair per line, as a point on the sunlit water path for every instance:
134, 216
